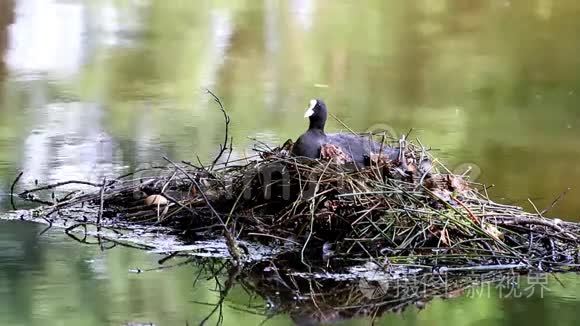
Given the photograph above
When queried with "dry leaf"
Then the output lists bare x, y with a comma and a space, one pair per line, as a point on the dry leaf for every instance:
443, 194
411, 167
444, 236
456, 184
493, 231
379, 159
333, 152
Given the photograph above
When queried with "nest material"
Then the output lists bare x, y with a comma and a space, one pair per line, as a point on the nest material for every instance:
404, 210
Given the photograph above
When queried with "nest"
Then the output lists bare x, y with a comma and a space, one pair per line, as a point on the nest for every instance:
411, 210
420, 230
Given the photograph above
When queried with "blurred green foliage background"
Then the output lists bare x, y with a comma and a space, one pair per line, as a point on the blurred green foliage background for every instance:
92, 88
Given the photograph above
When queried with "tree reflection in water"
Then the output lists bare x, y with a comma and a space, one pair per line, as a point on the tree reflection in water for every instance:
339, 290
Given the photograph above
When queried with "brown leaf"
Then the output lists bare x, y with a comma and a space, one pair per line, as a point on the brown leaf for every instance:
456, 184
333, 152
443, 194
411, 167
331, 205
379, 159
444, 236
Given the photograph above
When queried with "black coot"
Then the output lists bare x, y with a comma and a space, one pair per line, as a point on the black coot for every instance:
358, 147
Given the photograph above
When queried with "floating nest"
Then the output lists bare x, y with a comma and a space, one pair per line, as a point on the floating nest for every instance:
411, 210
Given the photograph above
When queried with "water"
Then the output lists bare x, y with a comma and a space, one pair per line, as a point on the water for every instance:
92, 89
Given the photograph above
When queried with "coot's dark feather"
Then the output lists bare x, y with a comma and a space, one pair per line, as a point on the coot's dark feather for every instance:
309, 143
358, 147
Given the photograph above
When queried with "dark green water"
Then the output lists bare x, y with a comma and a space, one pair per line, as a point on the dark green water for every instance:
91, 89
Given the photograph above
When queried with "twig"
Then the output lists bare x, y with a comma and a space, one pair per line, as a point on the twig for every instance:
233, 274
59, 184
273, 236
555, 201
482, 268
224, 146
101, 201
469, 212
535, 208
12, 189
231, 241
342, 123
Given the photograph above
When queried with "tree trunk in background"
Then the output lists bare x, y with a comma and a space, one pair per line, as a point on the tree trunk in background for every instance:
6, 18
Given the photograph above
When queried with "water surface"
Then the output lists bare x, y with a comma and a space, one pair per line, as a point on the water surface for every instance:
92, 89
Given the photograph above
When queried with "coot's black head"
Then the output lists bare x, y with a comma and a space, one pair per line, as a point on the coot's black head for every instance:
316, 113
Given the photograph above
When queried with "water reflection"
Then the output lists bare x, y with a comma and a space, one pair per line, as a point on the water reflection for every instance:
90, 89
58, 149
47, 37
465, 86
53, 281
6, 18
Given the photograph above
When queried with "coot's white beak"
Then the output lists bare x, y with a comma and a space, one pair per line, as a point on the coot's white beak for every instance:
310, 109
